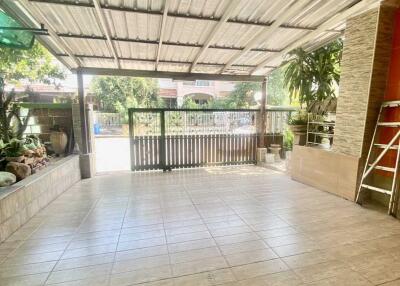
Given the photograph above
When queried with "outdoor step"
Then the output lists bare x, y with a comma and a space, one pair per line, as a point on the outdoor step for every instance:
394, 103
383, 168
389, 124
376, 189
383, 146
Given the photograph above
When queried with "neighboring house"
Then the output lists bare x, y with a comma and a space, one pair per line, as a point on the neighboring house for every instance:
172, 92
46, 93
201, 91
43, 93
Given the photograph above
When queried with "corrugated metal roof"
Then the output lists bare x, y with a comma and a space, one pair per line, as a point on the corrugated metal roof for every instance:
135, 27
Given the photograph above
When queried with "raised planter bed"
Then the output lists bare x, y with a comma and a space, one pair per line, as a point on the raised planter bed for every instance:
21, 201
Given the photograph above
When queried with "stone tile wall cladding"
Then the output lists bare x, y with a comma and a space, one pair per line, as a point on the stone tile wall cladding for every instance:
365, 62
21, 201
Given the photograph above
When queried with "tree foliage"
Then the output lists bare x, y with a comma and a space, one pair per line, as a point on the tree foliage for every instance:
33, 65
277, 93
313, 76
243, 95
117, 94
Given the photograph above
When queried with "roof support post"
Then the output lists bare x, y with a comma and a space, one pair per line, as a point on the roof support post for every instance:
162, 30
263, 114
82, 113
106, 29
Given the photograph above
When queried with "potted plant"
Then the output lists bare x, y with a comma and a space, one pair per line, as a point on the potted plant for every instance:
14, 150
298, 125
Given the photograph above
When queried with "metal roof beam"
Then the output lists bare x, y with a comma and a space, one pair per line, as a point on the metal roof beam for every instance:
162, 31
337, 18
173, 75
285, 15
152, 61
225, 16
106, 28
154, 42
176, 15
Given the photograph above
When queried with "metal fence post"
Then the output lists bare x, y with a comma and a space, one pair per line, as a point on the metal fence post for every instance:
162, 141
131, 140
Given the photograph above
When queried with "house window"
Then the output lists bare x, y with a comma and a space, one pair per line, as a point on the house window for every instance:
203, 83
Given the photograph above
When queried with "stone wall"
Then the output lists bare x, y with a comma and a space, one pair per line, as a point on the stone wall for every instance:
21, 201
356, 71
365, 63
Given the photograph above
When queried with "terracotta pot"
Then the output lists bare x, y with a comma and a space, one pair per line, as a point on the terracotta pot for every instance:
58, 141
298, 128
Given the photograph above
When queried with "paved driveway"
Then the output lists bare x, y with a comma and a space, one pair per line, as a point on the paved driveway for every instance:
112, 154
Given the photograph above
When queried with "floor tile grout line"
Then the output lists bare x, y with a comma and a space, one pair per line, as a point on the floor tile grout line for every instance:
76, 231
116, 247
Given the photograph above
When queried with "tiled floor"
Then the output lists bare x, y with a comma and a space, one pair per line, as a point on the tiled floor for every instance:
218, 226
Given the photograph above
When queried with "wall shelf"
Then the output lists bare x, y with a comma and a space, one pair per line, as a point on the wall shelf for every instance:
318, 129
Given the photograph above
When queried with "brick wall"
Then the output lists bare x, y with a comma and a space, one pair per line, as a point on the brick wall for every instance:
45, 116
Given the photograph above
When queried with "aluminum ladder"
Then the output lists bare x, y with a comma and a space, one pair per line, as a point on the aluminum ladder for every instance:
372, 164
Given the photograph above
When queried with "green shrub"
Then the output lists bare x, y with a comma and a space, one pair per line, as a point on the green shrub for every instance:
300, 118
14, 148
288, 139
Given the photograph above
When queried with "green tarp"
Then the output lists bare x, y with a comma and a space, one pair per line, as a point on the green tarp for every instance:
13, 35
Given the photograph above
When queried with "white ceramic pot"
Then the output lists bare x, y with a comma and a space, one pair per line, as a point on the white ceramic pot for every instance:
59, 142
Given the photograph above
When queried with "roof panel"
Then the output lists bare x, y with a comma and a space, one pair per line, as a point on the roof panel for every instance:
187, 27
173, 67
133, 25
70, 19
137, 65
88, 47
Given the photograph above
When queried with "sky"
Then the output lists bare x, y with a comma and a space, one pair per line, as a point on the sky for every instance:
72, 82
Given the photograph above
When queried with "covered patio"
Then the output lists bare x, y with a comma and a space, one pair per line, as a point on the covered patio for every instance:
214, 226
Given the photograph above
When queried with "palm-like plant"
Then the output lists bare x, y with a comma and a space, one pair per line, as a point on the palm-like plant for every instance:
313, 76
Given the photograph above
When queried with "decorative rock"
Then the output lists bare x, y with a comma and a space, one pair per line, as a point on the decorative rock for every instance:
7, 178
20, 170
28, 153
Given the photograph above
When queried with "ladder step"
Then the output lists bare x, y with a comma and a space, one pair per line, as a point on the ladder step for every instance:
383, 146
394, 103
383, 168
376, 189
389, 124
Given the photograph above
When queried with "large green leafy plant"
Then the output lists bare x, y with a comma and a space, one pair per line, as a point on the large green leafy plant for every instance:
11, 123
312, 76
14, 148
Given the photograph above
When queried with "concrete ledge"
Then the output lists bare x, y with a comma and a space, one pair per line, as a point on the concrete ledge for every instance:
326, 170
21, 201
